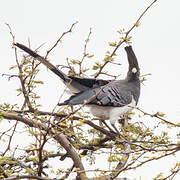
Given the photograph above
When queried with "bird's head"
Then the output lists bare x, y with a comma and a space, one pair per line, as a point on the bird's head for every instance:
134, 71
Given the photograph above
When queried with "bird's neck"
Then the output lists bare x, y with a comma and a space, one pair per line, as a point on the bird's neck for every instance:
132, 76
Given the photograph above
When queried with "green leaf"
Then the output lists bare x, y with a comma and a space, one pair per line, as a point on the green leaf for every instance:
95, 67
112, 44
38, 82
73, 61
12, 67
108, 58
90, 56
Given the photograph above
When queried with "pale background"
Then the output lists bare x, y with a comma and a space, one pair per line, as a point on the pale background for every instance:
155, 42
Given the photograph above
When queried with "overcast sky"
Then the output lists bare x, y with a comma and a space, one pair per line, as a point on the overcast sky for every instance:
155, 42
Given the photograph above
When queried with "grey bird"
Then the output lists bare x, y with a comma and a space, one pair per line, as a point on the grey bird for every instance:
107, 100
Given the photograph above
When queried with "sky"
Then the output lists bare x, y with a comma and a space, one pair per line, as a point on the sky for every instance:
155, 42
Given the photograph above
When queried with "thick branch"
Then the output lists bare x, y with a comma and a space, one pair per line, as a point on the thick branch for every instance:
60, 138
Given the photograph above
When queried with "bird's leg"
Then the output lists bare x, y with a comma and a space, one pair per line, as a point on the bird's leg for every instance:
110, 129
101, 123
116, 130
124, 120
112, 121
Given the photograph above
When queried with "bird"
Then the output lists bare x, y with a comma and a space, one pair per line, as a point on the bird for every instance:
107, 99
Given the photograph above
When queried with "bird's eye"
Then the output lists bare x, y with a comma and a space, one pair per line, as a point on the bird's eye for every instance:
134, 70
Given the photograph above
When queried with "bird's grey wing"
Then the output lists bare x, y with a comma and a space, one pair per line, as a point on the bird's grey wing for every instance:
82, 97
103, 96
116, 96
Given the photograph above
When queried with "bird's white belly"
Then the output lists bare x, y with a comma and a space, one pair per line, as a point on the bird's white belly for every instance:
101, 112
109, 112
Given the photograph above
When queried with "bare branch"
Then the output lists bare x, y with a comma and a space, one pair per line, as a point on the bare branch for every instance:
84, 52
152, 159
10, 139
10, 76
158, 116
59, 40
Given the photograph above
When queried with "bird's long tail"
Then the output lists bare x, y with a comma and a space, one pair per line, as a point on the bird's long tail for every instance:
50, 66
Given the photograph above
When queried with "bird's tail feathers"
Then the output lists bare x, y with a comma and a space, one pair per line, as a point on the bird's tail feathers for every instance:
50, 66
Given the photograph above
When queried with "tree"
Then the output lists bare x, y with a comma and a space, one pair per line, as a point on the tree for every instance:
73, 133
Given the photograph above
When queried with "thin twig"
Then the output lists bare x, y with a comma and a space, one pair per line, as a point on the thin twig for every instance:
157, 115
151, 159
59, 40
84, 52
10, 76
25, 93
10, 139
